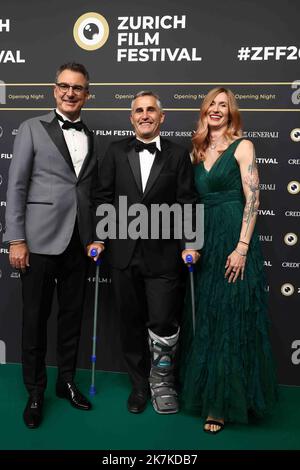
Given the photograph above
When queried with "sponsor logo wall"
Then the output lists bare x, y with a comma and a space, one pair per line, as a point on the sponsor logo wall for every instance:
180, 52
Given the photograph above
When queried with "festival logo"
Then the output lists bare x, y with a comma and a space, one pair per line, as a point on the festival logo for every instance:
91, 31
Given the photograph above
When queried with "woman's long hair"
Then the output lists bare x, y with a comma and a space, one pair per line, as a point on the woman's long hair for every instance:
234, 127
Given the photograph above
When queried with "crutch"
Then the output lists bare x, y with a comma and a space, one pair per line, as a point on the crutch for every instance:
93, 253
189, 261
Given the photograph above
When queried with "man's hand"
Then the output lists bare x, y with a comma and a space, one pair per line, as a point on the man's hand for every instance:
19, 255
194, 253
95, 246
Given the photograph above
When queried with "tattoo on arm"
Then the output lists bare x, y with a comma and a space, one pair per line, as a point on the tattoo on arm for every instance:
252, 181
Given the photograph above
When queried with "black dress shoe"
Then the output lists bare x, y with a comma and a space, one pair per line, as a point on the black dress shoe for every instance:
33, 411
69, 391
137, 401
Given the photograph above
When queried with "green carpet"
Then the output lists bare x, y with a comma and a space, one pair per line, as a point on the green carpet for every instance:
110, 426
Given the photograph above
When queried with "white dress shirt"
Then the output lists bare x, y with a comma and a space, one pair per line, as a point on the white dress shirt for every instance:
77, 143
146, 161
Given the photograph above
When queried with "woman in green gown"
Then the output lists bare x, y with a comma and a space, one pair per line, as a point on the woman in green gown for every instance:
227, 368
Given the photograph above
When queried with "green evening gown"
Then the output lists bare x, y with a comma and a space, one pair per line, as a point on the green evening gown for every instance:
226, 369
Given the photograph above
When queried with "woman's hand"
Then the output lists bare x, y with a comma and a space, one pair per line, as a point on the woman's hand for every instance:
235, 265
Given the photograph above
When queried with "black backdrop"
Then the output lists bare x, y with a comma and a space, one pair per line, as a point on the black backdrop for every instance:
252, 47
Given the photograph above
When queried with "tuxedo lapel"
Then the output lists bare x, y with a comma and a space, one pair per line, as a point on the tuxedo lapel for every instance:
56, 135
134, 162
159, 161
88, 157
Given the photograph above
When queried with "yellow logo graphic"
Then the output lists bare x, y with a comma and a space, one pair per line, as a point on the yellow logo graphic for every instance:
290, 239
295, 135
91, 31
293, 187
287, 289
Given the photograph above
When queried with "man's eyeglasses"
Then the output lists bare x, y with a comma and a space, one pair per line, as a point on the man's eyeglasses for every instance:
77, 89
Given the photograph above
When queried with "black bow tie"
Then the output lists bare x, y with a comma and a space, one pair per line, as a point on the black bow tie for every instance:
74, 125
79, 125
140, 146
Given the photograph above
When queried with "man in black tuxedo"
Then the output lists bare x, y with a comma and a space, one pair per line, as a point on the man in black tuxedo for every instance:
49, 222
147, 272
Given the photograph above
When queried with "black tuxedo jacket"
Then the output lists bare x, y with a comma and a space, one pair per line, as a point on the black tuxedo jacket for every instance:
171, 180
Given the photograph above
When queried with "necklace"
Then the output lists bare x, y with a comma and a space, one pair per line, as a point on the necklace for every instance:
213, 145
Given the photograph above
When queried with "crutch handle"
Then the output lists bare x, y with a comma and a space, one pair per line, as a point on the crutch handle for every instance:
189, 262
93, 253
